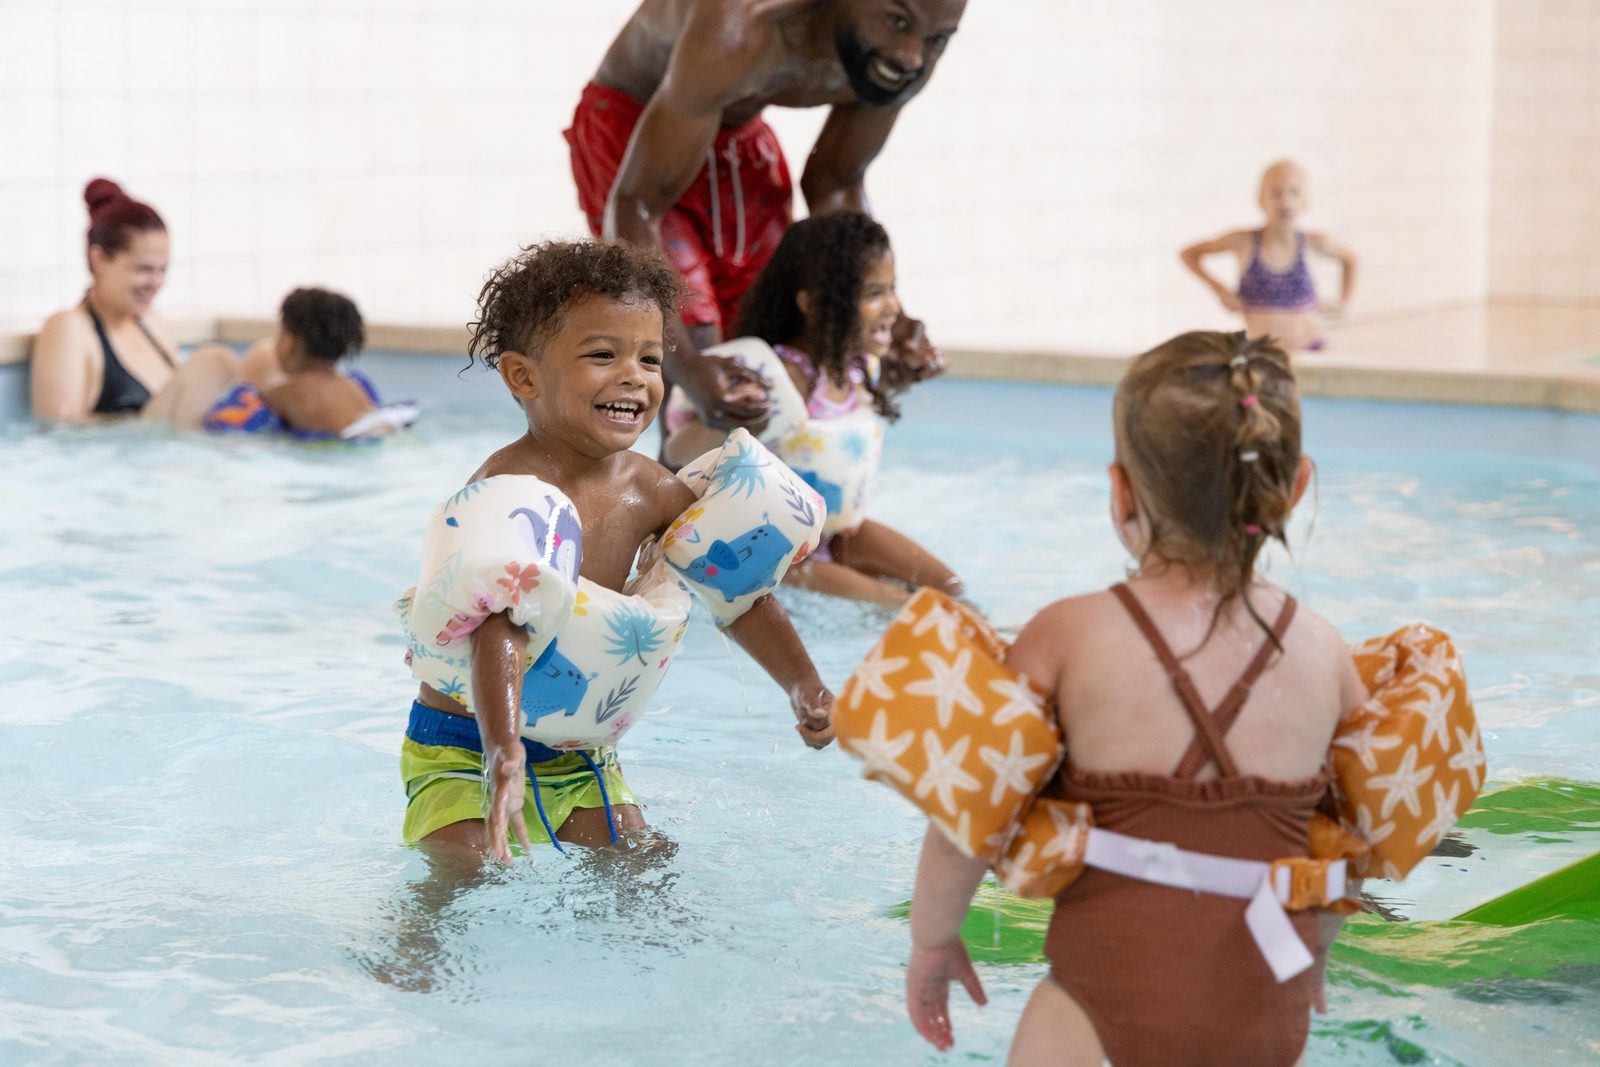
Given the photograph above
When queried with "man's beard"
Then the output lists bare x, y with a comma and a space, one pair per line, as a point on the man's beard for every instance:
856, 61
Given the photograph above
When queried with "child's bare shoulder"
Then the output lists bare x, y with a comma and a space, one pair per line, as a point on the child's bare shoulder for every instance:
1327, 648
1042, 648
1317, 628
1324, 243
512, 459
656, 488
1076, 614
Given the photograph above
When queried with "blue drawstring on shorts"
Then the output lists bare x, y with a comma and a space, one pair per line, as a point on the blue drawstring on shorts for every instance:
538, 802
430, 726
605, 798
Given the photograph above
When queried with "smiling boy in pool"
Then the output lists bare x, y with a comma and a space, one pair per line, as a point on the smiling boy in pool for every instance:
575, 332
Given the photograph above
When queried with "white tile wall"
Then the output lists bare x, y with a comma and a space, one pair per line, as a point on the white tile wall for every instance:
1037, 193
1545, 233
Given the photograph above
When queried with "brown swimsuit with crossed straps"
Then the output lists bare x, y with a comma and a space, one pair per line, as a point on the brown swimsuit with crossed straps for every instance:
1170, 977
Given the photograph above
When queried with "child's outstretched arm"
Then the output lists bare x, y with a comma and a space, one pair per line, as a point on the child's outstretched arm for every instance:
946, 881
1195, 253
766, 633
1322, 244
498, 647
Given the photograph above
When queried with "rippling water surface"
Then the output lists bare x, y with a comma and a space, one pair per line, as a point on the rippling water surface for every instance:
205, 698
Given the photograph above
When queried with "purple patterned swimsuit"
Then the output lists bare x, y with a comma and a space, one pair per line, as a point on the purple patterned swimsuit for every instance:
818, 404
1264, 289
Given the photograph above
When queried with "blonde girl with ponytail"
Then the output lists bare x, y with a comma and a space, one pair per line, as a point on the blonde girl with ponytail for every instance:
1198, 707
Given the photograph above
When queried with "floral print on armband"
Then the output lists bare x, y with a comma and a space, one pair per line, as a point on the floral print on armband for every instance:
519, 579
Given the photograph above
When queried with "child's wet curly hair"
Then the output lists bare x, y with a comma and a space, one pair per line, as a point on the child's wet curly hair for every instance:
826, 256
522, 302
326, 324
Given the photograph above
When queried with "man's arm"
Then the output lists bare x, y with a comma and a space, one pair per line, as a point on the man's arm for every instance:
718, 49
721, 44
836, 171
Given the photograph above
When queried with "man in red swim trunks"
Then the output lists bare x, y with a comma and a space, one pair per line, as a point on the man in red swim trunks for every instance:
669, 149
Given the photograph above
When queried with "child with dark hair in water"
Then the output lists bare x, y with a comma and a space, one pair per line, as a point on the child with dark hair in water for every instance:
533, 668
826, 305
292, 380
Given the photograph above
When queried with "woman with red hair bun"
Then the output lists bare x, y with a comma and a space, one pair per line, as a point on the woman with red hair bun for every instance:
110, 355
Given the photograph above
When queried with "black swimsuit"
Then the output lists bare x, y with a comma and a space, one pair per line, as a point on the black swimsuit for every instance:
120, 392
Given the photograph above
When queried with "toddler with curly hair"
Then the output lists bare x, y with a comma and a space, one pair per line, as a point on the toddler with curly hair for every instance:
575, 331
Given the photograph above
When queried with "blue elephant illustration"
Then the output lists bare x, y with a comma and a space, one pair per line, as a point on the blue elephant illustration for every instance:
553, 684
832, 493
555, 536
747, 563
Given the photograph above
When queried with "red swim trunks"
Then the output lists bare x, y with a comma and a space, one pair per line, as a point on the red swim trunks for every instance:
723, 229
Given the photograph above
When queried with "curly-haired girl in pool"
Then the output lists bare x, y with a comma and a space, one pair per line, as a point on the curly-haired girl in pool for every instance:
826, 304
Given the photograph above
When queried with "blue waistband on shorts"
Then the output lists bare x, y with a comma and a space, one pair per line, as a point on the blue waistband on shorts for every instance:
430, 726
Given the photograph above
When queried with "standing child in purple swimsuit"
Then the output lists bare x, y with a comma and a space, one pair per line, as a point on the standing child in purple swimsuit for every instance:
1275, 293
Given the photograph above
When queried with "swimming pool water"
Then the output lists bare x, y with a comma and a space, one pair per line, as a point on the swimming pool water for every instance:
205, 699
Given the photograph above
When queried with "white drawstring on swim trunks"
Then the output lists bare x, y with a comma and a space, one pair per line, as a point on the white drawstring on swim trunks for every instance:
716, 202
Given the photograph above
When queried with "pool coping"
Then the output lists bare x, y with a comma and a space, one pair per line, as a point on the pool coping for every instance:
1560, 388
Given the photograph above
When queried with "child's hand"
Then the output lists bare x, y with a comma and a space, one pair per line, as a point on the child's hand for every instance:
507, 778
745, 388
1230, 299
912, 357
814, 708
726, 394
929, 973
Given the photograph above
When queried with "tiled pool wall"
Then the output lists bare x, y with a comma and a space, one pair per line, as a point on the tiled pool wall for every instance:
395, 153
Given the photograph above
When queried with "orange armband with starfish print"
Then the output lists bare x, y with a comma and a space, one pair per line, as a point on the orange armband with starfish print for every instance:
1408, 762
934, 713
